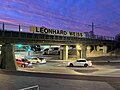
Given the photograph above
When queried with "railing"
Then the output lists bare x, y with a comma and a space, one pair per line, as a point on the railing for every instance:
23, 29
26, 35
13, 27
91, 36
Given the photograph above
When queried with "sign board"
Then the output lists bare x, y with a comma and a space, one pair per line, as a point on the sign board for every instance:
55, 32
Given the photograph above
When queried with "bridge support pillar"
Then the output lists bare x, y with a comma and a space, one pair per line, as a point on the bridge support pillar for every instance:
64, 52
99, 48
94, 48
7, 60
88, 49
83, 51
78, 51
103, 49
61, 53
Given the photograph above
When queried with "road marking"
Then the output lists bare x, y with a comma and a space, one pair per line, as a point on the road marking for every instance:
59, 65
36, 86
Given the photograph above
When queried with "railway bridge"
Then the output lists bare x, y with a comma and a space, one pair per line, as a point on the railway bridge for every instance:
13, 34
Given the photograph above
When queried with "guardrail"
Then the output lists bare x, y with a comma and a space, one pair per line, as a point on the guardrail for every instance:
11, 30
26, 35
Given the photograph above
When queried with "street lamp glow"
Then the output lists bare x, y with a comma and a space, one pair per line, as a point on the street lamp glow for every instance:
20, 29
19, 45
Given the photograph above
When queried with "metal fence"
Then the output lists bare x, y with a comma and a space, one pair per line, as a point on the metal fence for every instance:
13, 27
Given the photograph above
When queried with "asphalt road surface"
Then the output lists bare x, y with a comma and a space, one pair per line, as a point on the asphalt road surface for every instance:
98, 69
13, 80
55, 75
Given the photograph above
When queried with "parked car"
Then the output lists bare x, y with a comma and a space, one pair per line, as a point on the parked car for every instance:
51, 51
23, 63
80, 62
42, 60
35, 47
37, 60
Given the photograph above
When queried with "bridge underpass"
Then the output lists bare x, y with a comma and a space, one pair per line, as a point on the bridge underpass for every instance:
9, 38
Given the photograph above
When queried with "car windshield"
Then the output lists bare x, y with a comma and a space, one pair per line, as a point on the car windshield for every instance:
81, 60
24, 60
46, 49
41, 58
31, 58
34, 58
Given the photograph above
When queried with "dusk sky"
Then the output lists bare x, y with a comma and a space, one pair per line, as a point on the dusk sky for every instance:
69, 15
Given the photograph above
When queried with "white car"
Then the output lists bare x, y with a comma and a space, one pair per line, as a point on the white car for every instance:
80, 62
51, 51
37, 60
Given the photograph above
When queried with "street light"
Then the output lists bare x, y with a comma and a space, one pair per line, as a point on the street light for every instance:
19, 45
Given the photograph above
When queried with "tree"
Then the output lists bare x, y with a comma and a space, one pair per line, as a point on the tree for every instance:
117, 37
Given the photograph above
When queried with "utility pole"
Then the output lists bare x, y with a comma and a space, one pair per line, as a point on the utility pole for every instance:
92, 28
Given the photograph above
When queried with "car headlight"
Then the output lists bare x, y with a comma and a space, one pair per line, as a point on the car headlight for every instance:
68, 63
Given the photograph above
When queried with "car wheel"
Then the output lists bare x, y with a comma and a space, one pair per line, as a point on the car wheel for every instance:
44, 53
58, 52
85, 65
37, 62
71, 65
23, 65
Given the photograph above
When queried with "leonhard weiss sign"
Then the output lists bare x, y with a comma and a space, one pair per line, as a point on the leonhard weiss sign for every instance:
55, 32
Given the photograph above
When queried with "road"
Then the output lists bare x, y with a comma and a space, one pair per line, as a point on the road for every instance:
111, 69
54, 75
13, 80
